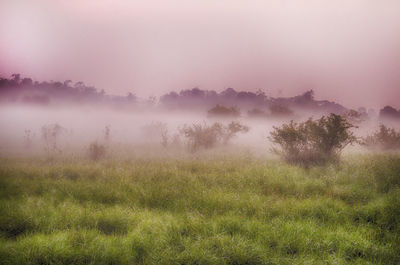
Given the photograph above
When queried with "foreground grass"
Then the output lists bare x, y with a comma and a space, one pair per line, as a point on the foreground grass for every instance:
219, 210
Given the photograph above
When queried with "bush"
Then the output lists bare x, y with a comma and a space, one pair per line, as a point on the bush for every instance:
232, 129
384, 139
96, 151
50, 136
202, 135
222, 111
207, 136
313, 141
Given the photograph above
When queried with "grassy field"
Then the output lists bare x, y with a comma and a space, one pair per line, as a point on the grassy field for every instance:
216, 210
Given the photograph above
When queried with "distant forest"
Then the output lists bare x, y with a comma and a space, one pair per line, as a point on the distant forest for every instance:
24, 90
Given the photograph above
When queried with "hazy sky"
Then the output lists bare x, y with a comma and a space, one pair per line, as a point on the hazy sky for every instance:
347, 50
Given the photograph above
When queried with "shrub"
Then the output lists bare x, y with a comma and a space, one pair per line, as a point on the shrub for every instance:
207, 136
313, 141
96, 151
50, 135
384, 139
232, 129
222, 111
202, 135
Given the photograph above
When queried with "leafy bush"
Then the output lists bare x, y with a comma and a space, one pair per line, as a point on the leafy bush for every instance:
313, 141
96, 151
207, 136
384, 139
222, 111
232, 129
202, 135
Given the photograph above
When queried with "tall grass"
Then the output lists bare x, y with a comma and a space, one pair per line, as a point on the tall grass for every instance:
199, 210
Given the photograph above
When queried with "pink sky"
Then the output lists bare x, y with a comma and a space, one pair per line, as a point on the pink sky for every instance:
346, 50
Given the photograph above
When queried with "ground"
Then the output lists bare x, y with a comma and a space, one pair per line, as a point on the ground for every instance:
206, 209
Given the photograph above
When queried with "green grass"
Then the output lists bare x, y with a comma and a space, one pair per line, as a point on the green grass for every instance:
198, 210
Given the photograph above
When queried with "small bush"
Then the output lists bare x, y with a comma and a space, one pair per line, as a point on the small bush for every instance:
50, 136
222, 111
313, 141
232, 129
96, 151
208, 136
383, 139
202, 135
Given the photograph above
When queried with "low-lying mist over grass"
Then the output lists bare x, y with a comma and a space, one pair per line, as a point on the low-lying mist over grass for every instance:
23, 129
81, 126
282, 182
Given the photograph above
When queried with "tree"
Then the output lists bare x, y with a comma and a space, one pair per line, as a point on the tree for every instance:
313, 141
389, 112
16, 78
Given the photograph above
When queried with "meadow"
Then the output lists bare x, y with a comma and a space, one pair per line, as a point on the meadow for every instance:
207, 208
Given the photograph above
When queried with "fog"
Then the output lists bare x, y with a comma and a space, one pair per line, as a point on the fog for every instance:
346, 50
86, 125
132, 132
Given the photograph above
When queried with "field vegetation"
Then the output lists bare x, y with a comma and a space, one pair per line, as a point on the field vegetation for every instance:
192, 196
209, 208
